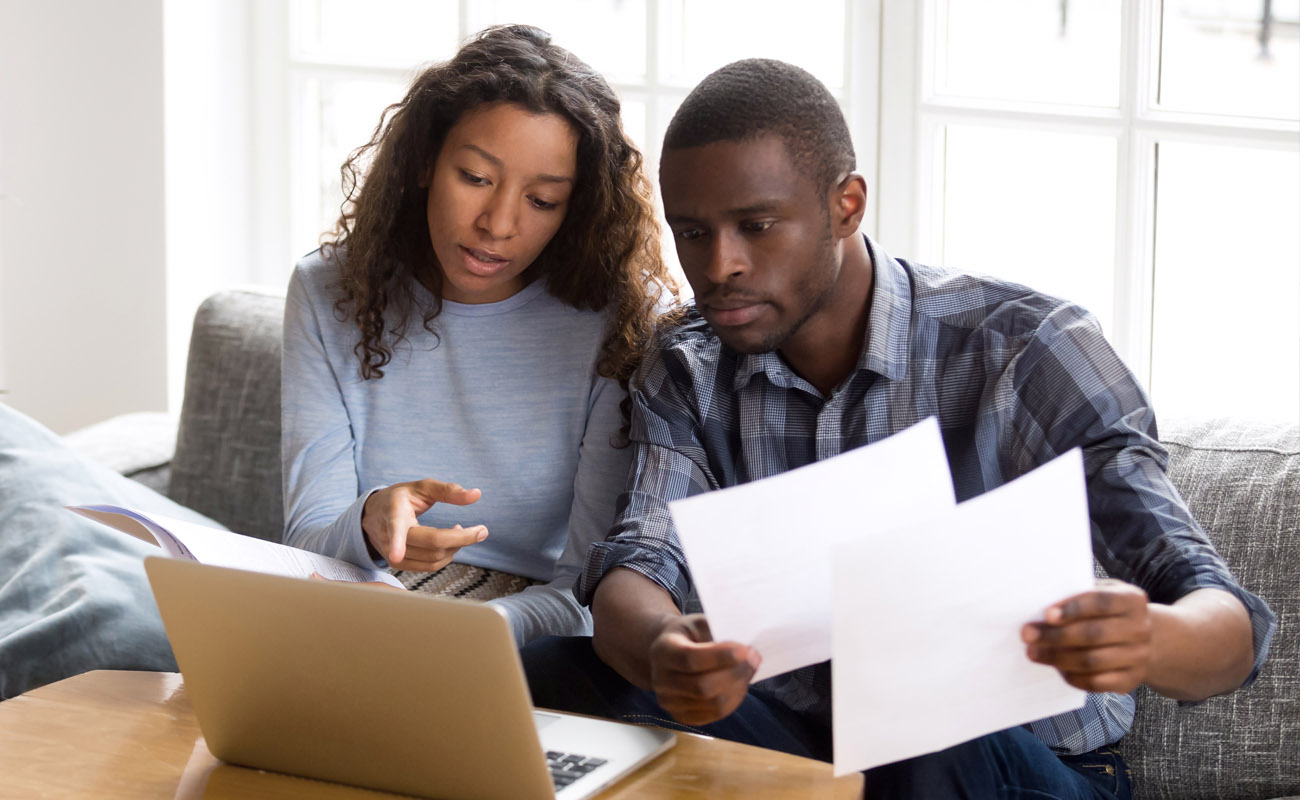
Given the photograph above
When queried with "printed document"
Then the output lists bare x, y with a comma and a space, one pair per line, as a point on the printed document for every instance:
761, 553
927, 617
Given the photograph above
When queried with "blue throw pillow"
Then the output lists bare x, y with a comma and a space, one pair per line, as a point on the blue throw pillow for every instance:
73, 593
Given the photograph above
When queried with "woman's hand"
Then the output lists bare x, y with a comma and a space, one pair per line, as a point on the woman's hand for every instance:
391, 528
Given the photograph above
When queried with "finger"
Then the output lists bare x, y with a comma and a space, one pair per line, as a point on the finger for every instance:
1120, 681
699, 712
1090, 632
423, 564
397, 524
1111, 600
705, 686
396, 542
446, 540
432, 491
1085, 660
681, 655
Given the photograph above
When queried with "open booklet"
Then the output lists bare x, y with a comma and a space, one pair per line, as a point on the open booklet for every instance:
180, 539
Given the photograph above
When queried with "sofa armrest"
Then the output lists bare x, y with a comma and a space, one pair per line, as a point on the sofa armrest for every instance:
139, 446
227, 461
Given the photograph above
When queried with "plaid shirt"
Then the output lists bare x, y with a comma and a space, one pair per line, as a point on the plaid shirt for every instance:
1015, 378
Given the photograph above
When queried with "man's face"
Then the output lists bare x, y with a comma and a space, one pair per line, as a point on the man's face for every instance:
753, 237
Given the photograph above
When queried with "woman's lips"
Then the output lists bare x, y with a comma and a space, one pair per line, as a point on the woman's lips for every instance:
732, 316
483, 262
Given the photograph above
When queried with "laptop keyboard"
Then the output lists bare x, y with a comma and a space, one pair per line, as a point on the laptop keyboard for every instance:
568, 767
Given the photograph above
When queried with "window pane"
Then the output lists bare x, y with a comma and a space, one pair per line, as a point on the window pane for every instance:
699, 37
607, 34
338, 116
389, 33
1033, 207
634, 123
1223, 57
1227, 282
1029, 50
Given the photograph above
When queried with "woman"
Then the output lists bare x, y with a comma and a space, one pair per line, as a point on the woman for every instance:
455, 353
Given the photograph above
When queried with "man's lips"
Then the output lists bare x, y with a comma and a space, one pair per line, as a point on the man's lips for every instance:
731, 312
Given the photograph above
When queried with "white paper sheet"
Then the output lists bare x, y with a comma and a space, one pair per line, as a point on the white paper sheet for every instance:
760, 553
180, 539
926, 632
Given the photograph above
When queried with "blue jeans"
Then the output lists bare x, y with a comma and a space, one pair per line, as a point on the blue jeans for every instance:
566, 674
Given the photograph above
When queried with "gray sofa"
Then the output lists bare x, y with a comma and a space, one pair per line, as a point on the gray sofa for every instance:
1242, 482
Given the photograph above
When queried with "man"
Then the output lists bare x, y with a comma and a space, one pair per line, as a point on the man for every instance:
807, 340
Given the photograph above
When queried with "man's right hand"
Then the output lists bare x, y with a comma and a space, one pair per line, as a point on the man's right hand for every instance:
695, 679
391, 528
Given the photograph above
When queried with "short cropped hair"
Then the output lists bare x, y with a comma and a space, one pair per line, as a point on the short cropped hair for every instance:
757, 96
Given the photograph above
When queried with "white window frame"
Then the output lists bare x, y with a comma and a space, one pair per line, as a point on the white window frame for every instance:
911, 115
281, 126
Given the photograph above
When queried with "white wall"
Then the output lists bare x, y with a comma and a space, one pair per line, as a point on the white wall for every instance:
82, 266
210, 177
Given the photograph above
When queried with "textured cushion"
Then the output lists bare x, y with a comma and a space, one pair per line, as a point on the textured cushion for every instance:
73, 593
227, 462
138, 445
1242, 482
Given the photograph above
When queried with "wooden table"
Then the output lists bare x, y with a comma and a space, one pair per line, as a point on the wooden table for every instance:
133, 735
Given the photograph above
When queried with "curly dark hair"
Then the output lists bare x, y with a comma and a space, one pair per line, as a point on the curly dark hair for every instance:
605, 254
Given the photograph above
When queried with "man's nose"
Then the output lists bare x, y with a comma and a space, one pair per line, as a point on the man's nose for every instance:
500, 219
727, 258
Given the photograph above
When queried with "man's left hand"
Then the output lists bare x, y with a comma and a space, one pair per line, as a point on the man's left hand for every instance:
1099, 640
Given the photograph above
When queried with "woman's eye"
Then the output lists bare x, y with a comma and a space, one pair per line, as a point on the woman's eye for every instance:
477, 180
688, 234
543, 205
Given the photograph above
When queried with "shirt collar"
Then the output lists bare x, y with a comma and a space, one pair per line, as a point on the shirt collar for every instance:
884, 346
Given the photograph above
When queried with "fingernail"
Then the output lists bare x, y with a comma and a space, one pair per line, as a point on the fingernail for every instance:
754, 659
456, 527
1053, 614
482, 534
1030, 634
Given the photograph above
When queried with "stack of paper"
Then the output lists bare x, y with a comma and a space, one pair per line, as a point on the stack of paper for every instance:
866, 559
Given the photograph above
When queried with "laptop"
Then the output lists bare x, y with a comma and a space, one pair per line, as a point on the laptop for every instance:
393, 691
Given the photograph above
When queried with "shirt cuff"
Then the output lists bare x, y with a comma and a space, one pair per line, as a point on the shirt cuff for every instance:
662, 569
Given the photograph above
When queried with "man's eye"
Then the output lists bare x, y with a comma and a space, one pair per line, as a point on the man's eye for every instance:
756, 226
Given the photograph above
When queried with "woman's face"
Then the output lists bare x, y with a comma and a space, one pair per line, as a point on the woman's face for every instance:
499, 190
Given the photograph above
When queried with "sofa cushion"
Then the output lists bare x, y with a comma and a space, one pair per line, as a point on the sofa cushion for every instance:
227, 461
138, 445
73, 593
1242, 482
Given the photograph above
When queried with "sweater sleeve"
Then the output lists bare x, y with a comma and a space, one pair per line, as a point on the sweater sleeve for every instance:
552, 608
322, 499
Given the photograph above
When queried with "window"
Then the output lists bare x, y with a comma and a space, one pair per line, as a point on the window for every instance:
344, 62
1136, 156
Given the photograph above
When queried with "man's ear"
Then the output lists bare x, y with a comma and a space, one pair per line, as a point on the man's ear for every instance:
848, 205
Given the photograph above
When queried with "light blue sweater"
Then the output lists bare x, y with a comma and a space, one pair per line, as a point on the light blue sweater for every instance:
506, 401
